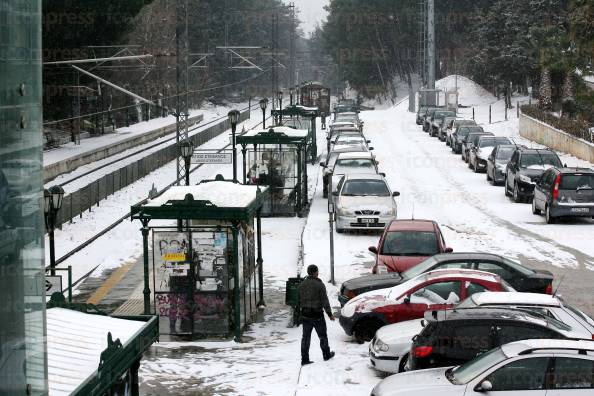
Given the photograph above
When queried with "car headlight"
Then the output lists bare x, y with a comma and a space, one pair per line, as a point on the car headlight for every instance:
525, 179
344, 212
390, 212
380, 346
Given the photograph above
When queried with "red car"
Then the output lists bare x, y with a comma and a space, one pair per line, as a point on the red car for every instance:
405, 243
431, 291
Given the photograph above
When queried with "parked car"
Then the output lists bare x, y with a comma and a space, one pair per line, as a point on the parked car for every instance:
460, 135
453, 337
437, 120
469, 142
348, 139
452, 128
364, 201
435, 290
350, 163
427, 117
536, 367
497, 162
345, 132
330, 161
348, 117
564, 192
521, 278
525, 169
480, 152
389, 350
406, 243
421, 114
442, 133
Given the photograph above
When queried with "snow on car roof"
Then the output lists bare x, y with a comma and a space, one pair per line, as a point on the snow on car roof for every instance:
520, 347
355, 155
223, 194
491, 298
75, 341
411, 225
298, 133
459, 272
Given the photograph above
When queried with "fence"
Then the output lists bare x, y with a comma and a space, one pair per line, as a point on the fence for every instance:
78, 202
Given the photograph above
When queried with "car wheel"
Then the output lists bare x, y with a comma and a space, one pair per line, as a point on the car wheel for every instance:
402, 364
365, 330
339, 230
489, 178
550, 219
506, 188
535, 210
475, 166
447, 142
516, 194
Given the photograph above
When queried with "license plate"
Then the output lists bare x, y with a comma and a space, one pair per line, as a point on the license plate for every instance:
367, 221
580, 210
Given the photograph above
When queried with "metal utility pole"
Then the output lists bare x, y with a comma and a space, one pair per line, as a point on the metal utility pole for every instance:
181, 108
292, 47
431, 44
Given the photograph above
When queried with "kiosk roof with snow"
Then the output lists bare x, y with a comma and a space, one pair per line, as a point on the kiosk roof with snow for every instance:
275, 135
209, 200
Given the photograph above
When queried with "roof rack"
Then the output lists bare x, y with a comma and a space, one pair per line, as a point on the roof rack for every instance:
581, 351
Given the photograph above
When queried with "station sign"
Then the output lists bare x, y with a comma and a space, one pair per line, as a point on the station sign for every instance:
53, 284
212, 157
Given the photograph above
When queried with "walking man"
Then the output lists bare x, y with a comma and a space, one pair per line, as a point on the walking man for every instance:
313, 301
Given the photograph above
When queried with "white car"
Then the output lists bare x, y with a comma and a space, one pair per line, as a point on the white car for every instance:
362, 162
479, 153
389, 349
540, 367
364, 201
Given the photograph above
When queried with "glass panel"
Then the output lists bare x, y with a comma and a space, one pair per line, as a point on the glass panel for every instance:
23, 358
525, 374
572, 373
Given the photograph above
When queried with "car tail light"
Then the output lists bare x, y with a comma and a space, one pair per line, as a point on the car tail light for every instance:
549, 289
423, 351
351, 294
556, 187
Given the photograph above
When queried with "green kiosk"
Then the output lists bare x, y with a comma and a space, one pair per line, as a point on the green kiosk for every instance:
207, 274
301, 117
276, 158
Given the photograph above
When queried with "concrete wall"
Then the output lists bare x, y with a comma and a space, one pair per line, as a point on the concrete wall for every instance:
68, 165
546, 135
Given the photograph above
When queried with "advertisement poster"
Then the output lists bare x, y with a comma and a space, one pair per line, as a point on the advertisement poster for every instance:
170, 250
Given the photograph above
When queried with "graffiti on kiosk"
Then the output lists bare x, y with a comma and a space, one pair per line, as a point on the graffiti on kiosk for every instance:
206, 306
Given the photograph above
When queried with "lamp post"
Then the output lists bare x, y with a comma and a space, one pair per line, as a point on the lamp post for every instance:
187, 149
234, 119
263, 105
52, 203
279, 96
291, 93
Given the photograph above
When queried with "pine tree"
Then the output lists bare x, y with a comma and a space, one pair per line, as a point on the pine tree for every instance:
545, 90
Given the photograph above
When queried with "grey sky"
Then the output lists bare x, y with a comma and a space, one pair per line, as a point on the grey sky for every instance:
310, 12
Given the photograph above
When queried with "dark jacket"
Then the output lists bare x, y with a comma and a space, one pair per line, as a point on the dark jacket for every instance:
313, 300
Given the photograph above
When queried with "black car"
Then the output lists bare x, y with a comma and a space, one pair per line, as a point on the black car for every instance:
453, 337
522, 279
470, 141
460, 135
437, 119
564, 192
427, 117
452, 129
497, 162
421, 114
525, 169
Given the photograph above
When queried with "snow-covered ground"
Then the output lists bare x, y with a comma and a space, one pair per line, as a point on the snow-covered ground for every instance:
434, 184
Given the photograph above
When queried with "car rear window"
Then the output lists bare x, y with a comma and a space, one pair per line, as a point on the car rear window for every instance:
577, 181
505, 153
348, 165
539, 159
365, 187
410, 243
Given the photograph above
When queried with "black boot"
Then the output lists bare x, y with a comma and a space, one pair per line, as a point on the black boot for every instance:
329, 356
305, 362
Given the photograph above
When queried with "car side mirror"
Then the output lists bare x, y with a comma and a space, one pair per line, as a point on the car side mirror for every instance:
335, 193
323, 164
449, 250
372, 249
565, 165
371, 149
368, 141
407, 299
396, 194
485, 386
382, 174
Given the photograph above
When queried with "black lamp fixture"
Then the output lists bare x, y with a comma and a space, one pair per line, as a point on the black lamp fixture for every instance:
186, 149
263, 106
279, 96
234, 119
52, 203
291, 93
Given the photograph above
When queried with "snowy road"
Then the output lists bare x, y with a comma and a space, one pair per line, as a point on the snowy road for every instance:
435, 184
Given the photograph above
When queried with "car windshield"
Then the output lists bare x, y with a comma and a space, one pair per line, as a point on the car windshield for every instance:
463, 132
468, 371
364, 165
505, 153
473, 139
349, 140
444, 114
474, 129
418, 269
539, 160
577, 182
376, 188
410, 243
582, 315
493, 141
347, 118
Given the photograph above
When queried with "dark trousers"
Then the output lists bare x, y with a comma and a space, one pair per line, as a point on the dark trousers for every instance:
308, 325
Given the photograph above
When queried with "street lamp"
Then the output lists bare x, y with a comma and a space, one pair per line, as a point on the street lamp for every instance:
187, 149
263, 105
52, 203
279, 96
234, 119
291, 93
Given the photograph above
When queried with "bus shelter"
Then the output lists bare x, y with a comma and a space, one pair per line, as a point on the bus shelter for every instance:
276, 158
206, 278
307, 118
